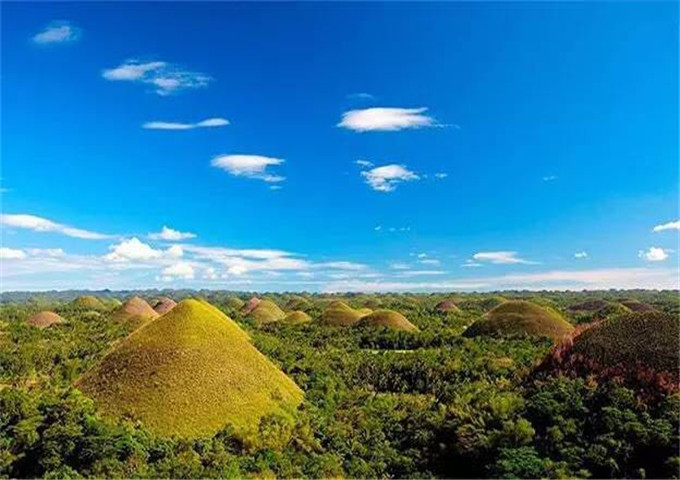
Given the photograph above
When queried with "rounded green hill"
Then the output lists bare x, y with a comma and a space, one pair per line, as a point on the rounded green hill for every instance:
296, 302
266, 311
518, 317
88, 302
234, 303
296, 317
640, 339
190, 373
387, 319
340, 314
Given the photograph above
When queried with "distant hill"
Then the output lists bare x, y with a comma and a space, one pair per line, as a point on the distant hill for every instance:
296, 317
517, 317
446, 306
249, 306
88, 302
134, 313
636, 306
387, 319
234, 303
163, 305
45, 320
296, 302
190, 373
266, 311
340, 314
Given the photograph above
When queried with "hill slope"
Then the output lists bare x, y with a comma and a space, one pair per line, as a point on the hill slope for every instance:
296, 317
164, 305
134, 313
266, 311
88, 302
341, 314
190, 373
45, 320
518, 317
388, 319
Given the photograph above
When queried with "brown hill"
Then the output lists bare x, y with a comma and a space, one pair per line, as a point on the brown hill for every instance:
45, 320
249, 306
134, 313
387, 319
446, 306
164, 305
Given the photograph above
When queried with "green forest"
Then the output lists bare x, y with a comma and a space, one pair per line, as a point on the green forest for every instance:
213, 384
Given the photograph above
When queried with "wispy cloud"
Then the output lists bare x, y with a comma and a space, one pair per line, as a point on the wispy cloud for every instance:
165, 78
500, 257
654, 254
361, 96
39, 224
364, 163
388, 177
471, 264
667, 226
11, 254
581, 254
171, 235
386, 119
549, 178
250, 166
208, 123
57, 32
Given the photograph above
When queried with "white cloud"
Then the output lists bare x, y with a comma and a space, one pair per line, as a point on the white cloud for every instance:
667, 226
500, 257
471, 264
181, 270
57, 32
654, 254
549, 178
210, 273
387, 177
165, 78
385, 119
39, 224
430, 261
132, 250
11, 254
208, 123
399, 266
171, 235
598, 279
420, 273
364, 163
360, 96
250, 166
441, 175
176, 251
352, 266
581, 254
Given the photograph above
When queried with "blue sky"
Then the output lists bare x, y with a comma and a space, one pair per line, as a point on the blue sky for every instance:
344, 146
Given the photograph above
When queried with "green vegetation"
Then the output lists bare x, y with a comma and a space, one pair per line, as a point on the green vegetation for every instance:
636, 306
340, 314
519, 317
387, 319
45, 320
378, 402
189, 373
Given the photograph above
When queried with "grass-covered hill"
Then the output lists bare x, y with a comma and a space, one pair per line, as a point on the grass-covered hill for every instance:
591, 305
446, 306
340, 314
190, 373
638, 346
134, 313
296, 317
636, 306
249, 306
234, 302
297, 302
45, 320
266, 311
519, 317
88, 302
387, 319
163, 305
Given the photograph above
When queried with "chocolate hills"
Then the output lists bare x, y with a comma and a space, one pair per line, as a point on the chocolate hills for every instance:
164, 305
636, 306
45, 320
387, 319
190, 373
296, 302
446, 306
249, 306
519, 317
266, 311
339, 313
88, 302
134, 313
296, 317
642, 348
